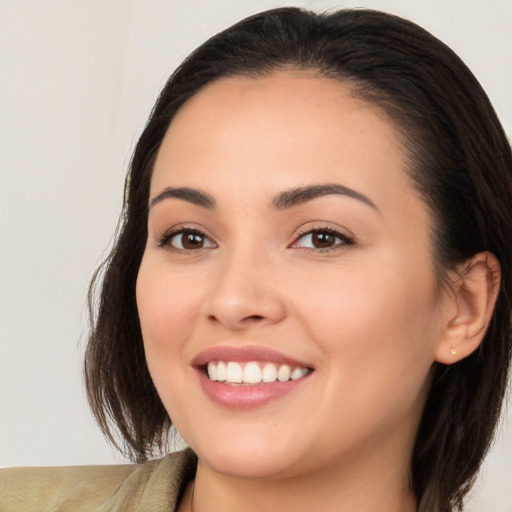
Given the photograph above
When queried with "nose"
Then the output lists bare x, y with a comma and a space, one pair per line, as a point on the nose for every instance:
244, 294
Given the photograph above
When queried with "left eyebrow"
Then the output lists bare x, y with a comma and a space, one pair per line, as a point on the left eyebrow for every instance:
296, 196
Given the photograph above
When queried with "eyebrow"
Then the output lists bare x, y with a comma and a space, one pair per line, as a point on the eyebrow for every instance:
186, 194
282, 201
296, 196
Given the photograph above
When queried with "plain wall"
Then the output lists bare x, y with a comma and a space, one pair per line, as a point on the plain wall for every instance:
78, 79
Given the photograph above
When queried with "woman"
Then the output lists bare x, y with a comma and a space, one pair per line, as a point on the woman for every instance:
312, 280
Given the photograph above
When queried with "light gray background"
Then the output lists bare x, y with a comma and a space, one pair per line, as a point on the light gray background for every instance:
78, 79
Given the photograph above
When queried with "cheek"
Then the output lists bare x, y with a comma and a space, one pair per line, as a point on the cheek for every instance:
373, 314
167, 311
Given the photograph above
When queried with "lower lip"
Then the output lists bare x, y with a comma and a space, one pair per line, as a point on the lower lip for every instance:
247, 397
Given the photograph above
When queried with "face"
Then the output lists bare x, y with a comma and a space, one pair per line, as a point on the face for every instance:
287, 250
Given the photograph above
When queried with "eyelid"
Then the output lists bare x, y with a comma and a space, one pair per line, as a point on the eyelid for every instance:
346, 238
169, 234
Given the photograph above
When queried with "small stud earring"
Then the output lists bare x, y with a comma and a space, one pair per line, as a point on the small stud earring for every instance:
453, 351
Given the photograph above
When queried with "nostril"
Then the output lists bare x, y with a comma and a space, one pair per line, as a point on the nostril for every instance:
236, 324
254, 318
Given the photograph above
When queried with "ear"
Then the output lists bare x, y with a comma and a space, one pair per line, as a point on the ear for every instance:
469, 305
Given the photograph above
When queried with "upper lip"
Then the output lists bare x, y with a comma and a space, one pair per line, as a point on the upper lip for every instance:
244, 355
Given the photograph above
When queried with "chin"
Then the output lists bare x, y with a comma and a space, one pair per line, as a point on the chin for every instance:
248, 465
248, 456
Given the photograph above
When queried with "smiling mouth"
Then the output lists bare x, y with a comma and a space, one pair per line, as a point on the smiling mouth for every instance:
253, 372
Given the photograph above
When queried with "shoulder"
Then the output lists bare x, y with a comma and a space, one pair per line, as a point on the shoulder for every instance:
155, 486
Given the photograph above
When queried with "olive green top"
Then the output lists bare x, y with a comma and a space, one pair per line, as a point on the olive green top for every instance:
155, 486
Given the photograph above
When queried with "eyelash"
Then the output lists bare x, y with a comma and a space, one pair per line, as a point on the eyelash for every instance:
345, 240
169, 235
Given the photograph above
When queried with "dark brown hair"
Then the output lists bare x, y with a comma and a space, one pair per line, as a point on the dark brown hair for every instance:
460, 161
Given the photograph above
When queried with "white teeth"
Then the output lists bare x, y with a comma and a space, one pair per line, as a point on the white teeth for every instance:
297, 373
221, 371
284, 372
234, 373
252, 372
269, 373
212, 372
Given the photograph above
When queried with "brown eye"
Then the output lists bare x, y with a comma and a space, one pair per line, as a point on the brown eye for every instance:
188, 240
191, 241
322, 239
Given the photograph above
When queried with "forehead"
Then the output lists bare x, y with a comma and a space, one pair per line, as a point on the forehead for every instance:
298, 98
287, 120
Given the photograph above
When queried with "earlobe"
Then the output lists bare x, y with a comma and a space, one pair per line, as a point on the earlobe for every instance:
473, 296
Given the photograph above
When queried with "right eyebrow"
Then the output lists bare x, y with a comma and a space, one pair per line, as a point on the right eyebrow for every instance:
185, 194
